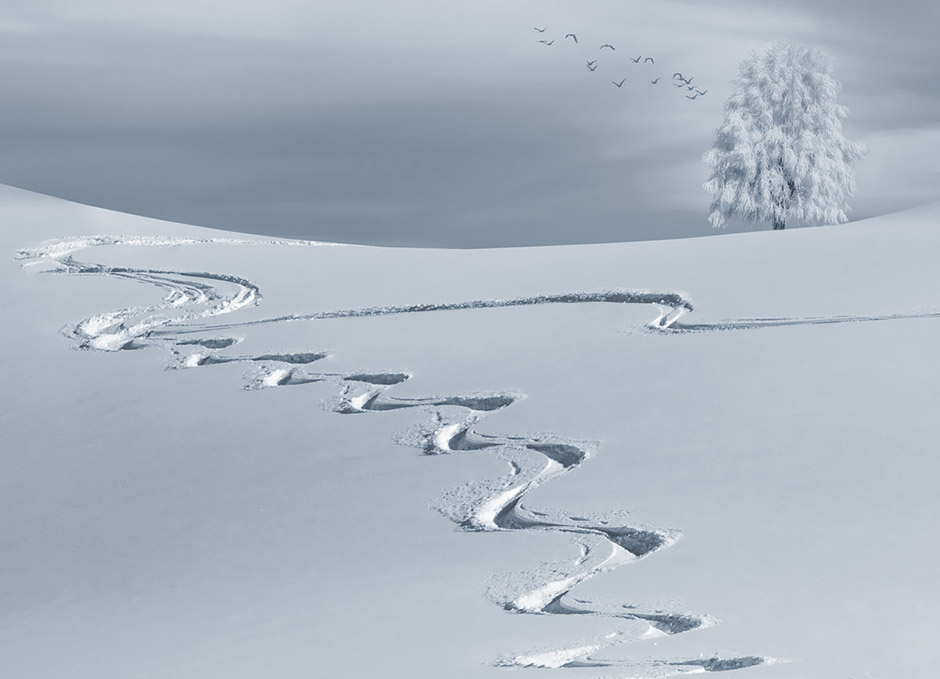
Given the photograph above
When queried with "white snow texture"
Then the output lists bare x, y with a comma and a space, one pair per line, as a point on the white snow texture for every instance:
625, 484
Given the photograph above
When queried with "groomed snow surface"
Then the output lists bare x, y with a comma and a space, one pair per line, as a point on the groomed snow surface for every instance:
238, 457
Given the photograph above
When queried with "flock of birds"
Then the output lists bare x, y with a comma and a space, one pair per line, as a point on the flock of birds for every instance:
678, 79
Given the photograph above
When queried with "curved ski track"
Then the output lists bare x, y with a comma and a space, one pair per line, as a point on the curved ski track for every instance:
497, 505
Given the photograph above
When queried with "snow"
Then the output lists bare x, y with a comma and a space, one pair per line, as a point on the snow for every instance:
241, 457
553, 659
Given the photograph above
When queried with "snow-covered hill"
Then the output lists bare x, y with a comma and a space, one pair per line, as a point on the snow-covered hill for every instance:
227, 456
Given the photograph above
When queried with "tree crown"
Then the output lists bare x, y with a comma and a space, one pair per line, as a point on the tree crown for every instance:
780, 151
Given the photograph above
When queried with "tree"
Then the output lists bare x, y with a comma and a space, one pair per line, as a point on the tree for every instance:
780, 152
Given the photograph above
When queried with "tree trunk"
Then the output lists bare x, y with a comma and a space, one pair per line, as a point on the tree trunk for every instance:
779, 223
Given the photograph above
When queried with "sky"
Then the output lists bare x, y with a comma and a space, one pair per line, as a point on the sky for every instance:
437, 124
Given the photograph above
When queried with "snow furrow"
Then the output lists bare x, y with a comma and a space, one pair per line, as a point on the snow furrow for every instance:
672, 306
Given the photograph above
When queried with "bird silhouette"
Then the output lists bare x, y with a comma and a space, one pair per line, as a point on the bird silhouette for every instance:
690, 87
540, 30
677, 75
606, 45
649, 59
620, 84
593, 62
653, 82
700, 92
688, 97
546, 42
637, 60
572, 35
592, 68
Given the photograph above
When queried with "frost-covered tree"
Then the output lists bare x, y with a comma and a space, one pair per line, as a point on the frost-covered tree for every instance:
780, 152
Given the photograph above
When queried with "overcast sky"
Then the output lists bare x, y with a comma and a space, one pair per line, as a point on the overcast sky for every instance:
435, 123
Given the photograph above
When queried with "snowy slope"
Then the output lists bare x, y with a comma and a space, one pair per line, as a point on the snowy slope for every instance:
227, 456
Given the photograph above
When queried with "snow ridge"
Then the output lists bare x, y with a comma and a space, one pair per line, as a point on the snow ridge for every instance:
192, 298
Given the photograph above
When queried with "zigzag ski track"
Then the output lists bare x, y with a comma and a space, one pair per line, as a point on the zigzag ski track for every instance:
181, 324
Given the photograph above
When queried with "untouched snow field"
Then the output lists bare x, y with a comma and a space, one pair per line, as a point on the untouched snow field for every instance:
227, 456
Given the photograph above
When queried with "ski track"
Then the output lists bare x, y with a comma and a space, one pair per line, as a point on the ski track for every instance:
497, 505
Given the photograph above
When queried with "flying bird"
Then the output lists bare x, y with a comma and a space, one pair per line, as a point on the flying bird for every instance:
677, 75
653, 82
572, 35
649, 59
540, 30
606, 45
593, 62
688, 97
592, 68
637, 60
546, 42
700, 93
620, 84
690, 87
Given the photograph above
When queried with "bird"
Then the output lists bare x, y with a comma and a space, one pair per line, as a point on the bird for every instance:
592, 68
690, 87
637, 60
593, 62
688, 97
649, 59
653, 82
572, 35
546, 42
700, 93
620, 84
607, 45
540, 30
677, 75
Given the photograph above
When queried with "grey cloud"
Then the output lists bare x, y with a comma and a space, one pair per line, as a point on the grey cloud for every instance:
453, 128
